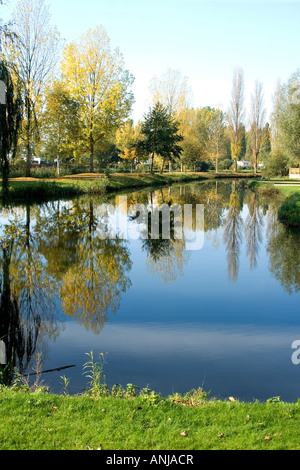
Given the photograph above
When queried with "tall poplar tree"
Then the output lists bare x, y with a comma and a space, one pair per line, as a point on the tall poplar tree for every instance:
257, 121
235, 115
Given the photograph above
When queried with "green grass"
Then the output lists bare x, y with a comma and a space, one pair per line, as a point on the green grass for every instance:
45, 189
41, 421
286, 191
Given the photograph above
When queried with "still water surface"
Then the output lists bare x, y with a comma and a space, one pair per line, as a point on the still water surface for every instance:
223, 317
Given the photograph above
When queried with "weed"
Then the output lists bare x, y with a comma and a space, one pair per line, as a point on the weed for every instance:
65, 382
94, 371
195, 397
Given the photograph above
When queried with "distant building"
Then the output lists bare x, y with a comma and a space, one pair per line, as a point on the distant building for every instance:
243, 165
295, 173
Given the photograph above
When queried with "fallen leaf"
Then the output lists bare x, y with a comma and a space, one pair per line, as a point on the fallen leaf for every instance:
90, 448
267, 438
183, 433
231, 399
222, 435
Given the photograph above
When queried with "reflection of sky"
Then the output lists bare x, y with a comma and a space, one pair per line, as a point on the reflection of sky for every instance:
233, 338
244, 361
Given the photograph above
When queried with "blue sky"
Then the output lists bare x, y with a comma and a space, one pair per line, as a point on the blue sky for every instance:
204, 39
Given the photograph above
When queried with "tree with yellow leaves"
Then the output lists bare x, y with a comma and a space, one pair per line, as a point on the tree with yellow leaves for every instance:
216, 146
129, 156
59, 123
94, 75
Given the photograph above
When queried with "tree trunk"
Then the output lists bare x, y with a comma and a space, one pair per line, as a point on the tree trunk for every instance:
58, 165
5, 176
255, 155
162, 166
152, 162
217, 161
28, 146
92, 150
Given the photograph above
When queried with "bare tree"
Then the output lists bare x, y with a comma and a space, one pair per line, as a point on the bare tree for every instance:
257, 121
235, 115
278, 100
172, 90
32, 58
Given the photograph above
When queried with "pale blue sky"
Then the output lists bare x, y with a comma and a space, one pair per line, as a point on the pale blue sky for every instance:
204, 39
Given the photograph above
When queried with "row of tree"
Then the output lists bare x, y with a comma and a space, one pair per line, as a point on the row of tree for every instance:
73, 103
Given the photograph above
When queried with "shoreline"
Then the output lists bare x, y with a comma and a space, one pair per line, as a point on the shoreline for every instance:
42, 190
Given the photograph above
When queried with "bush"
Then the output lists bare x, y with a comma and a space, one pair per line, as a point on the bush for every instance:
225, 164
277, 165
289, 212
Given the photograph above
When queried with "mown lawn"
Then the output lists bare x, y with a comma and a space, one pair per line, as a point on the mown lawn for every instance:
40, 421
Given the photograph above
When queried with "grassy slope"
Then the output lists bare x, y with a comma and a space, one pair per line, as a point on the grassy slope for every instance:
289, 211
38, 421
22, 189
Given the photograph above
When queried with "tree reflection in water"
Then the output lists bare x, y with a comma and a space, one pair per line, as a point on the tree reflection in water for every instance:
26, 303
52, 258
233, 234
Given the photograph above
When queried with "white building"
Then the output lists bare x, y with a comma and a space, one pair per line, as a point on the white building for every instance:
294, 173
243, 165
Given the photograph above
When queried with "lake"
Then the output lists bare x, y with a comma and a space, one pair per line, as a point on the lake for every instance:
222, 316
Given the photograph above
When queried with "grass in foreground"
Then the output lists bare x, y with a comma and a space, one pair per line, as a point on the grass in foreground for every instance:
41, 421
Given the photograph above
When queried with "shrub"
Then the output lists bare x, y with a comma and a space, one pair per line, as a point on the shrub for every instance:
277, 165
289, 212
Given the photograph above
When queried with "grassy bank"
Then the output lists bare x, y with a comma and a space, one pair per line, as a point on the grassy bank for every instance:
41, 421
24, 189
289, 210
